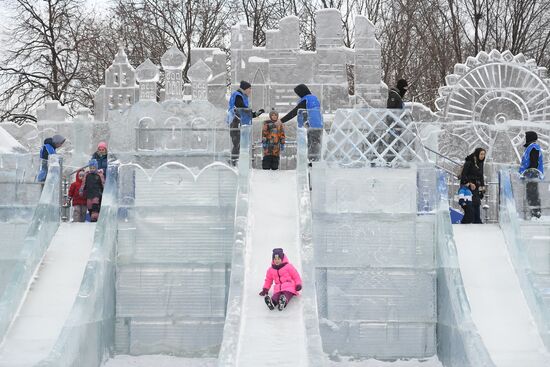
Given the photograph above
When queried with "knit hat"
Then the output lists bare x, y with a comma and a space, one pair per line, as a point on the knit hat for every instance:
92, 163
102, 144
402, 84
530, 136
244, 85
58, 140
279, 253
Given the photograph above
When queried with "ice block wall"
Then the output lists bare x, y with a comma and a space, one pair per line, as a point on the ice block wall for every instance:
373, 234
173, 259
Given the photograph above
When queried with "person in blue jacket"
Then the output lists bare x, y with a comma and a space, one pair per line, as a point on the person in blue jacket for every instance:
49, 147
239, 113
312, 119
532, 169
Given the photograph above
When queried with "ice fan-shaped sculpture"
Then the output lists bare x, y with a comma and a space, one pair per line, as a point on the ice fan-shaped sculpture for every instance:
491, 99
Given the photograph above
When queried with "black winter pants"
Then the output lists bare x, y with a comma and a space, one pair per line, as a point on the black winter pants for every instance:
235, 134
270, 162
533, 199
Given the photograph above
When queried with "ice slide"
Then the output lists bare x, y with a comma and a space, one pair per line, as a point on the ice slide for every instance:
498, 307
50, 297
271, 338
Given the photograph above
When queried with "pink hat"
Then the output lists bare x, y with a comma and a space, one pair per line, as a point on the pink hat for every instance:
102, 144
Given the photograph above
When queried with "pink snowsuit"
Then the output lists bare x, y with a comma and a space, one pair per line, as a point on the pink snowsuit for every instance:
286, 278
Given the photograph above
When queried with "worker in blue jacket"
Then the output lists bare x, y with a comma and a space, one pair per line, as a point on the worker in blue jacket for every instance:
49, 147
310, 116
532, 169
239, 113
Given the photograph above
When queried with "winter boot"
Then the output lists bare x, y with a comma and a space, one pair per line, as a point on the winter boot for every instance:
282, 302
269, 302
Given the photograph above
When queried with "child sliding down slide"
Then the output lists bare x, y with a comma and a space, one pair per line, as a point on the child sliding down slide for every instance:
287, 281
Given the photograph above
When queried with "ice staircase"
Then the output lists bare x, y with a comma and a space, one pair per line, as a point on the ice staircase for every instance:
50, 297
498, 306
271, 338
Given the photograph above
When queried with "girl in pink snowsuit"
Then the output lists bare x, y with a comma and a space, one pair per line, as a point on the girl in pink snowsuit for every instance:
287, 281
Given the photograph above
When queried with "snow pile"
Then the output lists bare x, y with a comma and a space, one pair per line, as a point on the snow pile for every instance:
8, 144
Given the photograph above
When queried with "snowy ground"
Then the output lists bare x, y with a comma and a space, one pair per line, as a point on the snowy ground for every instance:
50, 298
169, 361
499, 309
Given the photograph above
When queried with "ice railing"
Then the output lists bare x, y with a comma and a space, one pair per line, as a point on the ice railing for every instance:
459, 343
372, 137
42, 228
228, 352
20, 192
315, 353
534, 282
172, 126
87, 337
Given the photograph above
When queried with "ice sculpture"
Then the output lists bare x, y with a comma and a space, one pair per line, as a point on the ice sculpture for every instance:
120, 90
490, 101
199, 74
365, 137
147, 75
172, 62
174, 251
374, 254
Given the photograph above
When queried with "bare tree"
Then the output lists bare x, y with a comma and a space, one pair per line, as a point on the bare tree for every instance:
43, 57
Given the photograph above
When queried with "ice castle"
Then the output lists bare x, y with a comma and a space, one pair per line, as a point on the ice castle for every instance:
170, 274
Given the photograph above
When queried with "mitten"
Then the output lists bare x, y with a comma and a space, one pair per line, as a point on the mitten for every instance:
282, 147
264, 292
260, 111
298, 287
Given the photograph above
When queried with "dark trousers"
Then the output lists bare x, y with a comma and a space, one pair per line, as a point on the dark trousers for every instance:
278, 295
533, 199
235, 134
270, 162
468, 214
477, 213
314, 144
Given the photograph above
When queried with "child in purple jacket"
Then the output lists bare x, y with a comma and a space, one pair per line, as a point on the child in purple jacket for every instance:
286, 278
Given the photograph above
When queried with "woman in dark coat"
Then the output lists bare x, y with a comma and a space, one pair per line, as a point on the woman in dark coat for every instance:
472, 173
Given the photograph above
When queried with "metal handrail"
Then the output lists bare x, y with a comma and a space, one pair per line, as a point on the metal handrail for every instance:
442, 156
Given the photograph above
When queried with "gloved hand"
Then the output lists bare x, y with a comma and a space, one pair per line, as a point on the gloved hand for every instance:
264, 292
282, 147
298, 287
260, 111
264, 145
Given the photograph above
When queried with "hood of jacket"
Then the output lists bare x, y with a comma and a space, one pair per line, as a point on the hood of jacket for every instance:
78, 179
283, 263
48, 141
302, 90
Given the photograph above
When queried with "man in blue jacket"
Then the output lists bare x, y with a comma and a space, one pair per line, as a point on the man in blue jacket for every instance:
49, 147
239, 113
532, 169
311, 117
